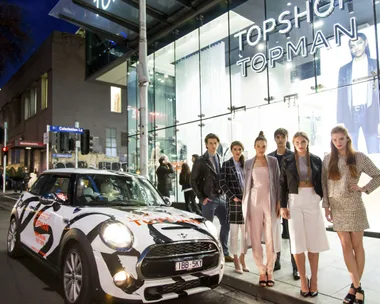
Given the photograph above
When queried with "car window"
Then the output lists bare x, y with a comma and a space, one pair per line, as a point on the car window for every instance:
39, 185
57, 186
102, 189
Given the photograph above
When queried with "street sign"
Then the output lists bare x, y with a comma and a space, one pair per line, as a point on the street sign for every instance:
46, 138
66, 129
62, 155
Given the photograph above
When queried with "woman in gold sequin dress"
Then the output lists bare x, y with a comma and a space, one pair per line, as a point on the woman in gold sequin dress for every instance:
343, 203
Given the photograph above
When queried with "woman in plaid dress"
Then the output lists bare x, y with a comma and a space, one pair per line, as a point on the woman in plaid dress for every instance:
232, 183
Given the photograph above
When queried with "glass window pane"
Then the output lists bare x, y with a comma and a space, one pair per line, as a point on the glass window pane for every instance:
187, 77
215, 84
251, 90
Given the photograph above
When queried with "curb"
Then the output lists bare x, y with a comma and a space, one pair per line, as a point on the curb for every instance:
7, 202
281, 293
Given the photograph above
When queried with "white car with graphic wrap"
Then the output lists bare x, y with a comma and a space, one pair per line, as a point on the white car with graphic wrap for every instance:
111, 235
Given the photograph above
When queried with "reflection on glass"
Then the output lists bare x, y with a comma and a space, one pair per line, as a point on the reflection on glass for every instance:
115, 99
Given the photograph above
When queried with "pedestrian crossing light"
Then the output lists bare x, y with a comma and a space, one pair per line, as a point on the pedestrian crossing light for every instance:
5, 150
86, 144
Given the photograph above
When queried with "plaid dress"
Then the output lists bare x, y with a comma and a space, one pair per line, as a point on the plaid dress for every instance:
229, 182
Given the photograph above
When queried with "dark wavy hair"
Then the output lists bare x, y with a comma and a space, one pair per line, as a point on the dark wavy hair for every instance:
239, 144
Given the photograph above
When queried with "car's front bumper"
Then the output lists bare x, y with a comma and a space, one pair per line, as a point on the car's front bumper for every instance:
153, 290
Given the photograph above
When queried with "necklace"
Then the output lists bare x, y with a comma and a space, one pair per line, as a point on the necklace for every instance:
308, 168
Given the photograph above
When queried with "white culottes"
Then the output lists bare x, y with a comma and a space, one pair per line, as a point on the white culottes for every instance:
307, 230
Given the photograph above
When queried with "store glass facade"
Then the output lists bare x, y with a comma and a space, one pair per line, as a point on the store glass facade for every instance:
259, 66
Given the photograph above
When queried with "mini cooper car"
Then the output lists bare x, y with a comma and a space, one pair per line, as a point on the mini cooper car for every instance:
110, 235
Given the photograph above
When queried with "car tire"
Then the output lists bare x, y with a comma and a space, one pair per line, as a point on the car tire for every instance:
75, 276
13, 240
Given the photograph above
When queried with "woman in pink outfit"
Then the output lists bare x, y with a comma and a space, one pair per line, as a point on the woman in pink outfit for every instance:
261, 208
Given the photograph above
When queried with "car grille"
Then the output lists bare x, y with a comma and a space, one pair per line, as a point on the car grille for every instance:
170, 250
159, 261
155, 293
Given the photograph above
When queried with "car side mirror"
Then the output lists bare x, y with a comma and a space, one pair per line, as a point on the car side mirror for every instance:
167, 201
56, 206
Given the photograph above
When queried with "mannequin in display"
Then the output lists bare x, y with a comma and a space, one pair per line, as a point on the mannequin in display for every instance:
358, 95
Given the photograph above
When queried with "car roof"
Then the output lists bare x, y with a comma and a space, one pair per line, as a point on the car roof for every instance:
89, 171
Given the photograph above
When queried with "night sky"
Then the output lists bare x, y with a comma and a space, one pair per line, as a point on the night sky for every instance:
36, 14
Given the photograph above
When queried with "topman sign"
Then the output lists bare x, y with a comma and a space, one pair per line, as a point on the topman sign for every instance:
255, 34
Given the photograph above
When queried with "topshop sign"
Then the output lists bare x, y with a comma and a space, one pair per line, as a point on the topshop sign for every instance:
255, 35
103, 4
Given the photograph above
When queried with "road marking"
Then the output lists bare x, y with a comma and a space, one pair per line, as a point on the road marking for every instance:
10, 197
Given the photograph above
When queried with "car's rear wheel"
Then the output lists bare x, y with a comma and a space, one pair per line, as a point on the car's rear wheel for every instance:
75, 277
13, 239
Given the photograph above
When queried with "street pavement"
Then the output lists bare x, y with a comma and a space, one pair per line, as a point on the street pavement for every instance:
24, 281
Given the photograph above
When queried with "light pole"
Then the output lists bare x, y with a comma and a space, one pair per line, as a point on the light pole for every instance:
143, 80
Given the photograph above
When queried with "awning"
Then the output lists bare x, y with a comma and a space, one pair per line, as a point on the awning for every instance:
25, 144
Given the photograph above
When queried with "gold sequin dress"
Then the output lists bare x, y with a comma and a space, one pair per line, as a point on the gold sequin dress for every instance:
347, 207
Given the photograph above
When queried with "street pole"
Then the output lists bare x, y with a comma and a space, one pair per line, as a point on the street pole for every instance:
76, 145
5, 157
143, 79
47, 147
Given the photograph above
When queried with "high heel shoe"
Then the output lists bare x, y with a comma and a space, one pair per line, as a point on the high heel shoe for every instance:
242, 263
312, 293
350, 298
305, 294
361, 291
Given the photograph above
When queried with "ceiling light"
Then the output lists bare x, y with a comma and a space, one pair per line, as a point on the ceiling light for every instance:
377, 2
318, 24
289, 4
289, 65
261, 46
166, 76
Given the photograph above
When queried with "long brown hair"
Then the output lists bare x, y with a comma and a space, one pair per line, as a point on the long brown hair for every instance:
304, 135
334, 173
239, 144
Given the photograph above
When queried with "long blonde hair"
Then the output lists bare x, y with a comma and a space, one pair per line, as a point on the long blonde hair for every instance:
334, 173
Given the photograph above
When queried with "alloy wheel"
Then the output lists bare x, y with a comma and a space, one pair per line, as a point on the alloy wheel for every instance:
12, 235
72, 276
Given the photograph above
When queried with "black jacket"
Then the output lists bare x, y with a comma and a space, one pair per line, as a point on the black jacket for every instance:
164, 178
204, 178
286, 154
290, 180
184, 181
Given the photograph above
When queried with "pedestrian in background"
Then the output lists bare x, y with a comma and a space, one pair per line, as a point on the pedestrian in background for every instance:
262, 207
164, 176
232, 184
185, 182
343, 203
205, 181
301, 194
281, 139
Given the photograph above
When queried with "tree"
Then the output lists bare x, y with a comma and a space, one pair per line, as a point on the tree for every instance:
13, 36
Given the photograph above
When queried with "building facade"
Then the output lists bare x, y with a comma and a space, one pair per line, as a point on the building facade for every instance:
49, 89
239, 67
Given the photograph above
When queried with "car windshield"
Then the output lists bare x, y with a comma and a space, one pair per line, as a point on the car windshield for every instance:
115, 190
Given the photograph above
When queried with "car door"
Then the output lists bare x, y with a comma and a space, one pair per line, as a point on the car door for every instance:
49, 219
28, 206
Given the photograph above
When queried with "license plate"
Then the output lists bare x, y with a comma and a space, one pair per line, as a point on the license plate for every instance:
187, 265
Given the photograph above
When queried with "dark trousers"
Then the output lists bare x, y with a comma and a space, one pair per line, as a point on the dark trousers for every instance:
190, 202
285, 228
218, 207
359, 114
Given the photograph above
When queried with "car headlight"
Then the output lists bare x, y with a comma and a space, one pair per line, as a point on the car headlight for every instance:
211, 227
116, 235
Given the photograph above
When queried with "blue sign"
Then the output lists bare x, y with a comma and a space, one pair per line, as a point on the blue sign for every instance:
62, 155
66, 129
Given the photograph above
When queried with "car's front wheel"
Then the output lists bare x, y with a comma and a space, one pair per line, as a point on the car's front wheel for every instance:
75, 277
13, 239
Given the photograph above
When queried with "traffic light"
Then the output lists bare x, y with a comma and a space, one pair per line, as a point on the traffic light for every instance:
63, 142
72, 144
5, 150
86, 142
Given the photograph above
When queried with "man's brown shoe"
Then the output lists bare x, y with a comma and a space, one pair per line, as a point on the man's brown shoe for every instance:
228, 259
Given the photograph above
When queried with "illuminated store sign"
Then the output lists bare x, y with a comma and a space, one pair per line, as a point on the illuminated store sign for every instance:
103, 4
255, 34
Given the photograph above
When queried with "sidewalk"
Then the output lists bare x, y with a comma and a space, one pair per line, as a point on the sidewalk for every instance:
333, 281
